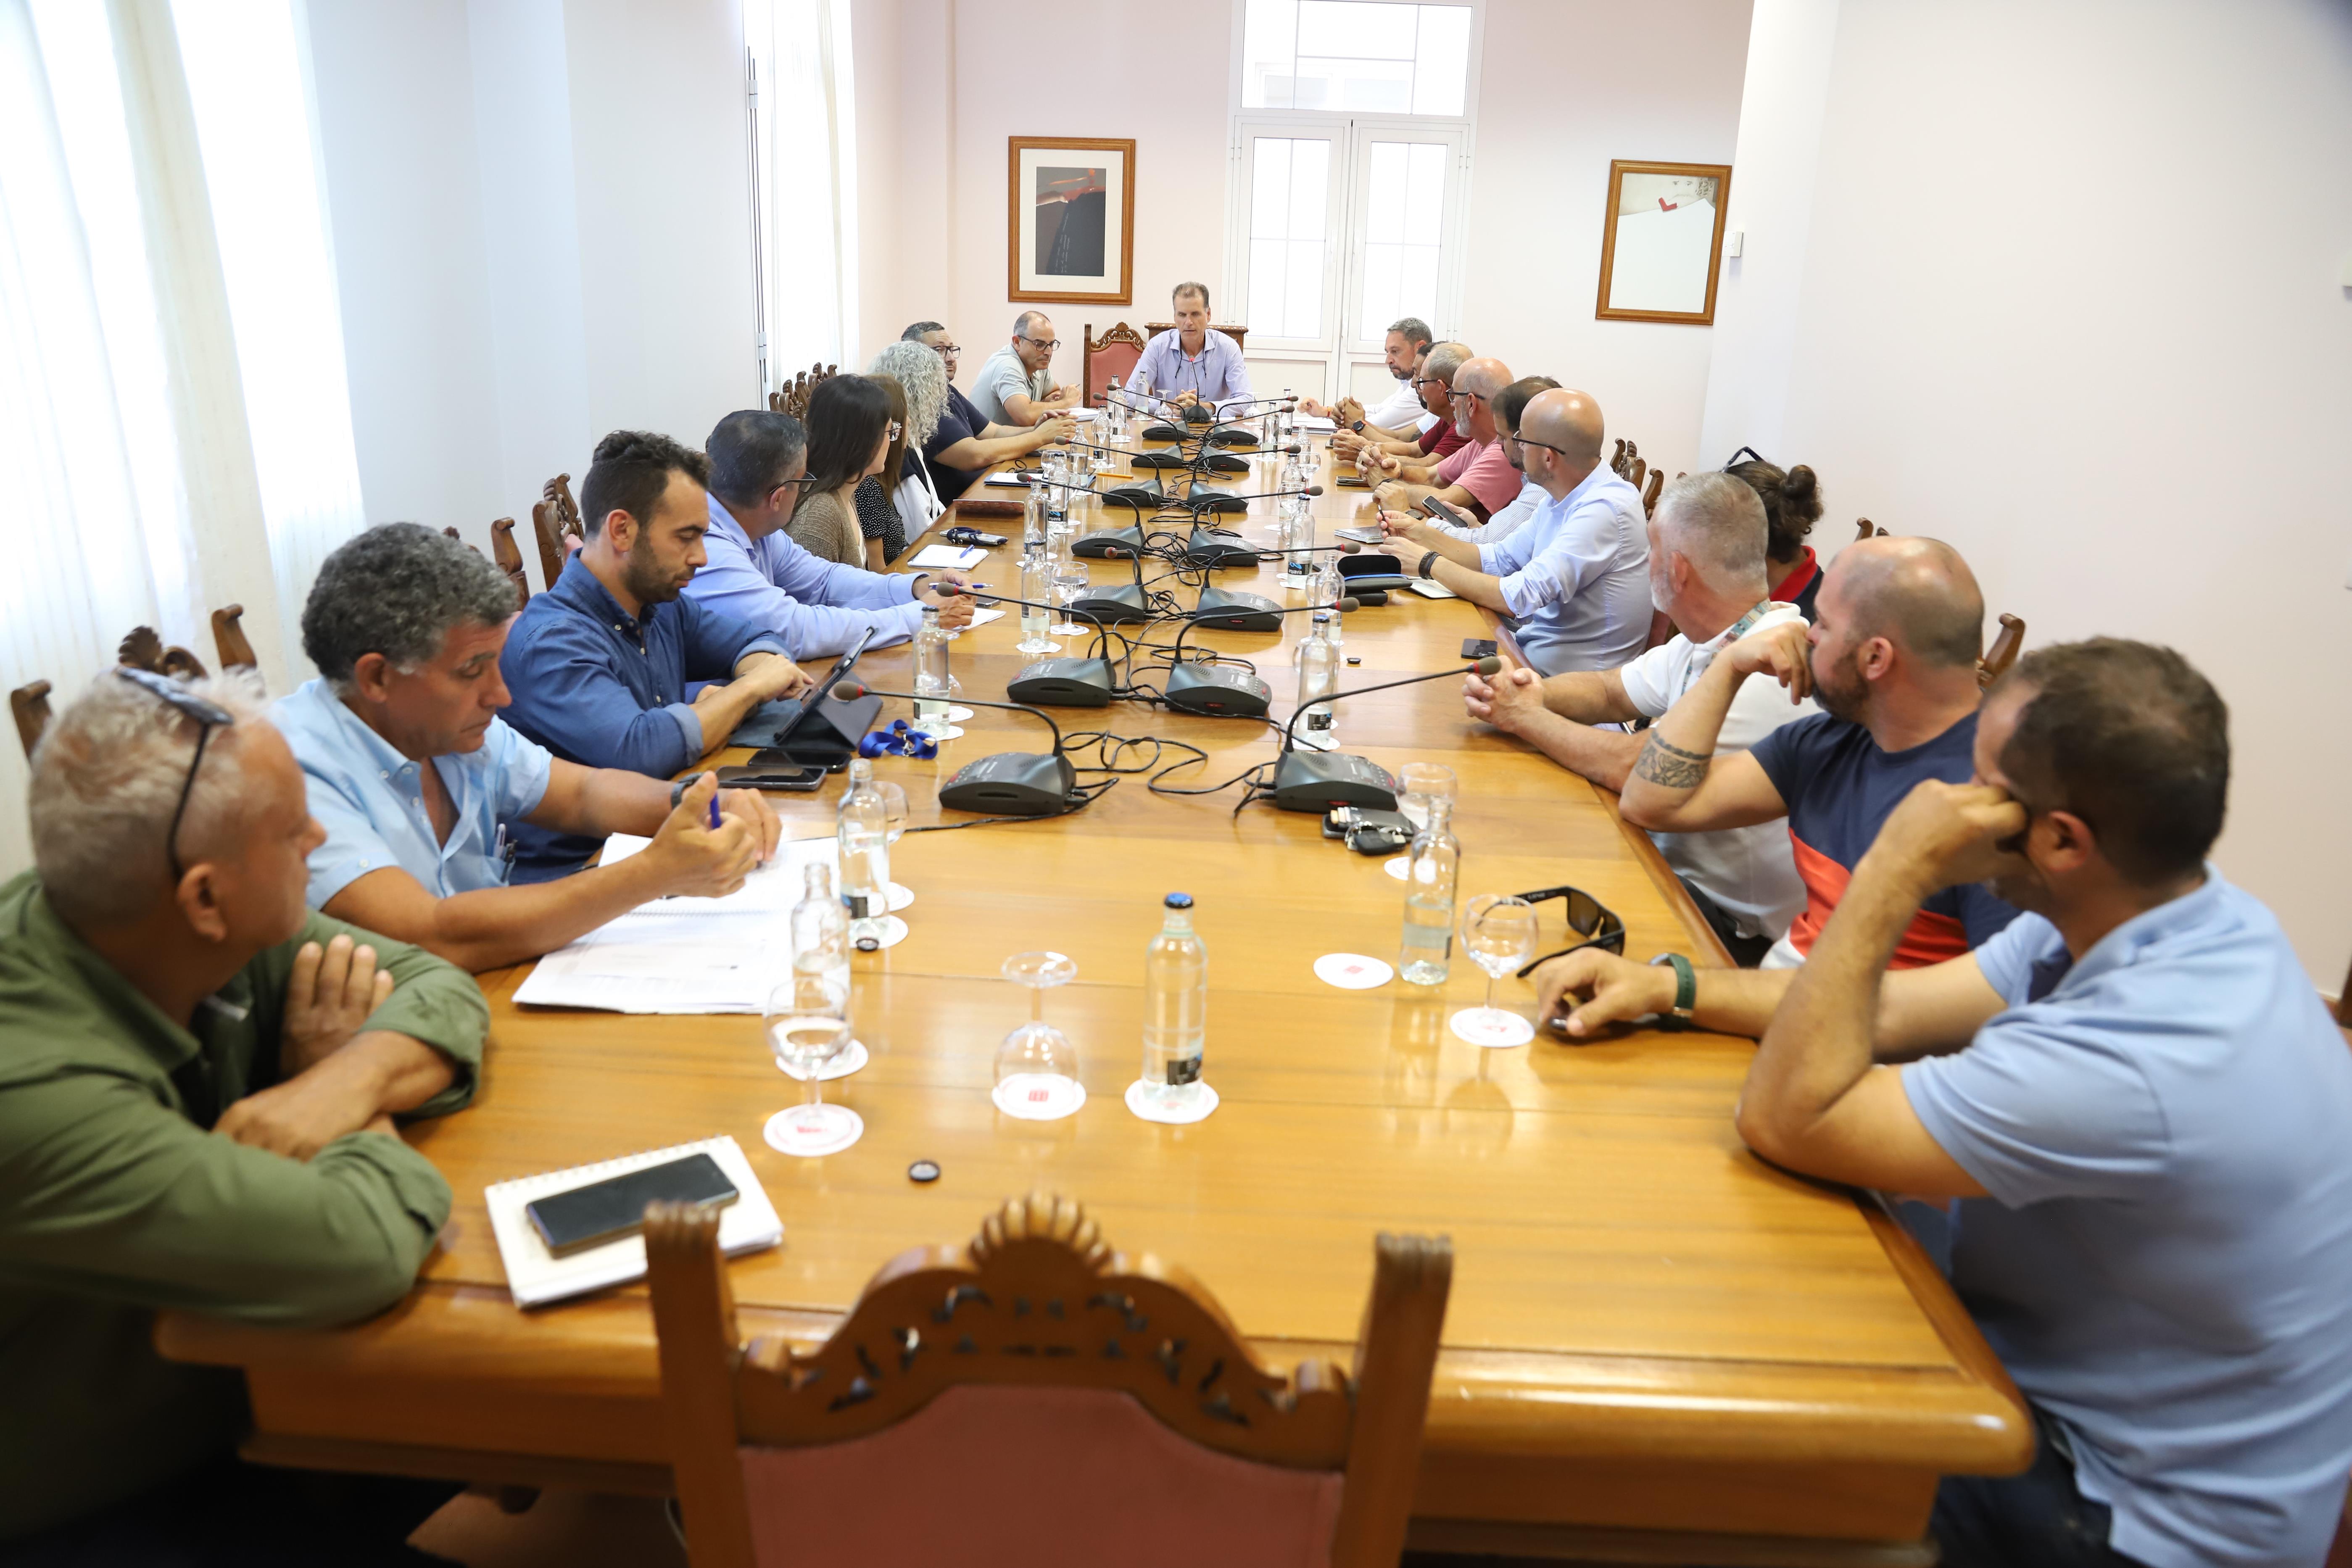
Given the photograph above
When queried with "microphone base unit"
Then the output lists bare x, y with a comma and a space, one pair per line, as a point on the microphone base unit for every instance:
1221, 609
1318, 781
1122, 606
1063, 683
1203, 501
1217, 691
1013, 784
1224, 463
1203, 549
1164, 432
1111, 543
1230, 439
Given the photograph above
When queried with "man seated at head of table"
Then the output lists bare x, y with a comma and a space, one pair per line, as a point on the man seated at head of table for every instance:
196, 1114
597, 668
966, 444
1191, 361
757, 573
1478, 478
1433, 383
1892, 660
1707, 571
1015, 384
1510, 405
420, 785
1400, 413
2128, 1108
1576, 576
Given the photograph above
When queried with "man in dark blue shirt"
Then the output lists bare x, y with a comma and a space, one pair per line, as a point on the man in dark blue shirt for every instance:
965, 446
599, 664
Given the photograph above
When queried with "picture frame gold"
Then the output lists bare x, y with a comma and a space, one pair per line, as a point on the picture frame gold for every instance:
1649, 265
1069, 223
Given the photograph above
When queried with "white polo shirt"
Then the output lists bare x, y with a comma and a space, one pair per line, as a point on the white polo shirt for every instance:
1749, 872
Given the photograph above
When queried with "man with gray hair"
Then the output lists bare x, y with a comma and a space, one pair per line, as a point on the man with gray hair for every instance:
1433, 383
1477, 478
1401, 413
198, 1113
1015, 385
1707, 571
419, 784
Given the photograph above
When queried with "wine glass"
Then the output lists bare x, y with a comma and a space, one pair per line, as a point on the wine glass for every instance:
1037, 1067
807, 1024
1070, 581
1498, 932
894, 824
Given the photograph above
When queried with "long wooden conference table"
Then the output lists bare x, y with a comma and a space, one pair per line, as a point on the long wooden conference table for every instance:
1658, 1348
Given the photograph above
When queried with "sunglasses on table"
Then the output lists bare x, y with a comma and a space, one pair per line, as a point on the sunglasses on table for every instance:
209, 716
1588, 917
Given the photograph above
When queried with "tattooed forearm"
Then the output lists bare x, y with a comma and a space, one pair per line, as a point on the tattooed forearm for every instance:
1668, 766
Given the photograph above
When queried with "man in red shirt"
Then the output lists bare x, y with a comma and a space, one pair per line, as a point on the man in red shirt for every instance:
1433, 379
1477, 476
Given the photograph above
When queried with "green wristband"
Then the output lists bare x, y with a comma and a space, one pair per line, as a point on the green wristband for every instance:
1686, 992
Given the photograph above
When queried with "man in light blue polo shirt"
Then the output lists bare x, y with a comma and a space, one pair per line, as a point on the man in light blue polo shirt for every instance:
756, 573
1192, 361
1015, 384
2130, 1103
418, 783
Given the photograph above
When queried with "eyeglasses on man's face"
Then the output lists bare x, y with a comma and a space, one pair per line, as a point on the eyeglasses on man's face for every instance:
946, 351
209, 716
1048, 345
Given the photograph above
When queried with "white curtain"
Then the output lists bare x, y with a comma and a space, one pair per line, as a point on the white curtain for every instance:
804, 143
173, 401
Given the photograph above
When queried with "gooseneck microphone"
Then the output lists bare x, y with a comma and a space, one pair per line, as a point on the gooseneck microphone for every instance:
1318, 781
1223, 692
1082, 681
1008, 783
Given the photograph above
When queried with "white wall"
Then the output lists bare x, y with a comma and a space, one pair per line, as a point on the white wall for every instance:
2070, 299
1565, 86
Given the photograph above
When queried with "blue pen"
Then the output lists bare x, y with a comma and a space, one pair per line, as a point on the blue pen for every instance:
714, 811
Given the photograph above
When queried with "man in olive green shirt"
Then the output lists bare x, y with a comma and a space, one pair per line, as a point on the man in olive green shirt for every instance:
197, 1082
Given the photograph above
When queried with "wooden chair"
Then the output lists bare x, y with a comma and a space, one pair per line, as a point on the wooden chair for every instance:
555, 518
509, 556
1862, 528
2006, 643
793, 398
1108, 358
1153, 329
1036, 1397
1649, 492
143, 649
1617, 458
236, 649
29, 705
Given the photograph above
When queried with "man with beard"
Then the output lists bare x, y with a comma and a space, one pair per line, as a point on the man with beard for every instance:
598, 664
419, 785
1401, 413
1892, 660
2129, 1109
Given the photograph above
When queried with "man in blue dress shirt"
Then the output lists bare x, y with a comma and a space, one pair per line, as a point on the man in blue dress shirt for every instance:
1191, 361
420, 785
756, 573
2129, 1105
598, 664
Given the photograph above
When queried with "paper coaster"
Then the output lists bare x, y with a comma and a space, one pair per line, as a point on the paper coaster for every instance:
1352, 971
900, 897
1495, 1029
1401, 868
842, 1065
947, 732
1038, 1095
1146, 1103
894, 932
1315, 740
958, 715
845, 1127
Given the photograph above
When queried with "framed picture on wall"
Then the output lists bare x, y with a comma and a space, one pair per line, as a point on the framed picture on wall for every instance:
1662, 241
1070, 220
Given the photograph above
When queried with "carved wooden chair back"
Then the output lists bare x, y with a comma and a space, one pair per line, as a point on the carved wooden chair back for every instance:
1239, 334
1864, 529
1649, 492
1617, 458
555, 518
143, 649
792, 397
236, 649
2006, 643
1108, 358
1036, 1397
29, 706
509, 556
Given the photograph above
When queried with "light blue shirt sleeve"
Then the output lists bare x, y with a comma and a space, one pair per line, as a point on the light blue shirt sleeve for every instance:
521, 767
354, 847
2007, 958
1538, 572
738, 582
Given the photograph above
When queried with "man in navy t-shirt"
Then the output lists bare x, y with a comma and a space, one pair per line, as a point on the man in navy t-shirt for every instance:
1892, 660
966, 445
2130, 1105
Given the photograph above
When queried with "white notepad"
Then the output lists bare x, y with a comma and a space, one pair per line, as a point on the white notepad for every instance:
535, 1275
949, 556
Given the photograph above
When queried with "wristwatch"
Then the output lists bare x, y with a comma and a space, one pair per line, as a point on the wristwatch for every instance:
1428, 567
1686, 992
678, 790
1358, 426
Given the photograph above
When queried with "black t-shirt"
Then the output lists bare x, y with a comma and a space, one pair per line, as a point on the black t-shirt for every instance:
877, 518
958, 421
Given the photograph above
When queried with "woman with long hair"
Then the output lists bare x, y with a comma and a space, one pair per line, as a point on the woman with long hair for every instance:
878, 512
922, 379
850, 431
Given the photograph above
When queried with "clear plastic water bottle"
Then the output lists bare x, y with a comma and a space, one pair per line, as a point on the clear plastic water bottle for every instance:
1115, 411
1037, 587
1429, 880
1175, 1007
1058, 499
932, 673
1318, 676
1032, 519
1286, 418
1328, 588
821, 930
863, 836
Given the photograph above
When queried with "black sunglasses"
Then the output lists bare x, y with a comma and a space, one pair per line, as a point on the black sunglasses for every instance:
209, 716
1754, 456
1588, 917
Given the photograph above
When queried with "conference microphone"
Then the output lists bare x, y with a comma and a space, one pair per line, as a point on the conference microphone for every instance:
1010, 783
1199, 500
1345, 547
1223, 691
1088, 682
1318, 781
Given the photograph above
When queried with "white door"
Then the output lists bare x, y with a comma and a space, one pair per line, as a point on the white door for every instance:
1344, 226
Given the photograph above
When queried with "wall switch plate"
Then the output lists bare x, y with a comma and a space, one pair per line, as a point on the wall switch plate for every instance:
1736, 240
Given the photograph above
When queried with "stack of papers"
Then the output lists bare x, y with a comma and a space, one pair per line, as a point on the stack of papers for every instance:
955, 558
684, 954
1314, 425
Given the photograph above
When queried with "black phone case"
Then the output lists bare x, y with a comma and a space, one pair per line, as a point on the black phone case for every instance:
1477, 647
601, 1211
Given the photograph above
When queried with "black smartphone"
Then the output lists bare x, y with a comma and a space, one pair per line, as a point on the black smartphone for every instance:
1431, 507
793, 776
1471, 648
603, 1211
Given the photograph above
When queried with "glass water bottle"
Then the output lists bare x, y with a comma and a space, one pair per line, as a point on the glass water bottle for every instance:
1430, 870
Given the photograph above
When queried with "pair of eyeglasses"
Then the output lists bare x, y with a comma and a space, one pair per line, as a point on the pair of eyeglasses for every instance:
946, 351
1047, 343
1588, 917
800, 484
894, 431
209, 716
1547, 446
1431, 381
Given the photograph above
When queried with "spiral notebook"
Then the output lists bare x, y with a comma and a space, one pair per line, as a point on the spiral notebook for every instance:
536, 1276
